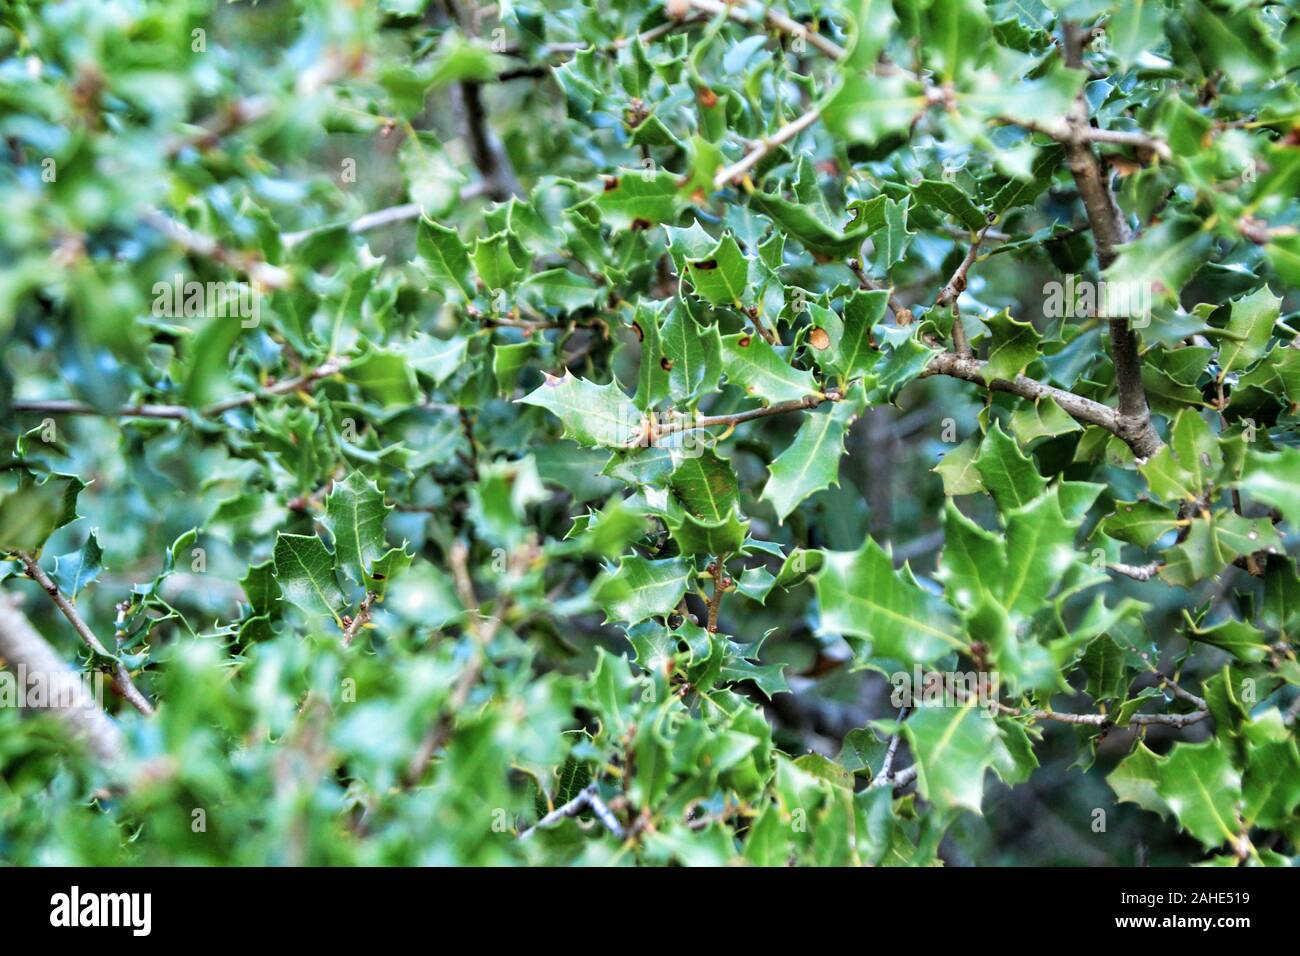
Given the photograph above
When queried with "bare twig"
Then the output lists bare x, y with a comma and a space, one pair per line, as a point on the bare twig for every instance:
789, 131
775, 21
183, 412
588, 799
660, 429
720, 585
481, 631
121, 676
353, 626
1081, 409
887, 765
1138, 572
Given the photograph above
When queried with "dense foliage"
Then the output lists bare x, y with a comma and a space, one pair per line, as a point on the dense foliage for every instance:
434, 419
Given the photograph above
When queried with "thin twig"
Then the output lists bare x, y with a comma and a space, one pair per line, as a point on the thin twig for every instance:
121, 676
774, 20
587, 799
789, 131
360, 620
699, 422
206, 247
1076, 406
182, 412
1138, 572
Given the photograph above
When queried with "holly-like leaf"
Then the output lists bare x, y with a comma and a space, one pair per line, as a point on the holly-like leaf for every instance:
591, 414
354, 514
754, 365
640, 588
1013, 347
446, 259
75, 570
948, 198
812, 460
862, 596
722, 275
1202, 790
1007, 472
706, 485
304, 570
1251, 325
954, 747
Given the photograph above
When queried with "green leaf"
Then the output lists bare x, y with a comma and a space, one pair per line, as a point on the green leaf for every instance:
706, 485
1013, 347
386, 376
446, 260
973, 562
868, 108
354, 514
73, 571
1007, 472
1134, 29
1040, 549
639, 198
721, 277
494, 262
1273, 478
30, 513
862, 596
958, 471
591, 414
304, 569
701, 536
1202, 790
692, 356
1251, 324
640, 588
1240, 639
754, 365
1139, 522
811, 462
953, 746
563, 289
948, 198
803, 223
1136, 778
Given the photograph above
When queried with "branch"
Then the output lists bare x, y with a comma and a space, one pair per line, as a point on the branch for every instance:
1138, 572
789, 131
353, 626
1109, 230
121, 676
1073, 134
721, 584
774, 20
182, 412
485, 149
22, 647
588, 799
482, 631
659, 429
1143, 441
887, 765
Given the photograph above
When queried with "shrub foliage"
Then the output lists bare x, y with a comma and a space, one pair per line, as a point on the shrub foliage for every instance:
542, 432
